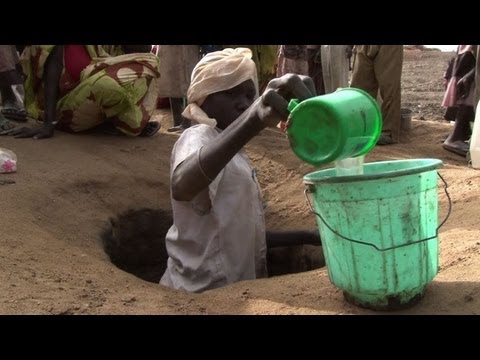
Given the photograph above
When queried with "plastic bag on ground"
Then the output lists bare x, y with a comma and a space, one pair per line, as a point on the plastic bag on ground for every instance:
8, 161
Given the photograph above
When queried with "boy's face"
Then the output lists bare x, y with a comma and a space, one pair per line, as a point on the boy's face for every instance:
226, 106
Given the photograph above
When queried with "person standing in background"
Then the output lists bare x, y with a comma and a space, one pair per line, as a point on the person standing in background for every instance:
176, 65
460, 95
379, 67
335, 66
477, 76
292, 59
315, 70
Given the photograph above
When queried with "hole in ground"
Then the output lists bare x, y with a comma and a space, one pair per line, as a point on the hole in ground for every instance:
135, 242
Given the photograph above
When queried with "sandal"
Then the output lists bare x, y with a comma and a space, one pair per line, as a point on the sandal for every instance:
178, 128
14, 111
5, 124
458, 147
150, 129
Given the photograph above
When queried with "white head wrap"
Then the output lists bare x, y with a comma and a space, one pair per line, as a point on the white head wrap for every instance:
218, 71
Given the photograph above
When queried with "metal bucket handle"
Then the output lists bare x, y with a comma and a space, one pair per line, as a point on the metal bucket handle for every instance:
308, 191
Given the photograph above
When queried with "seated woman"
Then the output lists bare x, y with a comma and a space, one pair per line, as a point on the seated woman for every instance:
79, 87
218, 236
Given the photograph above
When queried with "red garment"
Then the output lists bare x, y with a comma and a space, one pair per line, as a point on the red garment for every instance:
76, 59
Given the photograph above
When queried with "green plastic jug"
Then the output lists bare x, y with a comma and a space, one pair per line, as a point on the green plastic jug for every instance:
336, 126
379, 230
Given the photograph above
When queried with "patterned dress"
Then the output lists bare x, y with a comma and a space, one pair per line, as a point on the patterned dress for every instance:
123, 88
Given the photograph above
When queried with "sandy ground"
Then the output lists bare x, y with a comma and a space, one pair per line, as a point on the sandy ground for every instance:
67, 187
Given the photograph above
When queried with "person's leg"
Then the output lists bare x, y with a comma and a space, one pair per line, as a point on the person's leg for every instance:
339, 66
461, 130
363, 76
8, 62
388, 71
11, 87
12, 98
315, 70
477, 77
179, 122
176, 105
456, 141
5, 124
7, 94
281, 64
327, 68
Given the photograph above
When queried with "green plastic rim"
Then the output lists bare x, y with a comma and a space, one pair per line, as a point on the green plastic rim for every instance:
376, 170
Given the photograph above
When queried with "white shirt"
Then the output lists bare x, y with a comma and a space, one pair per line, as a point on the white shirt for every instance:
217, 238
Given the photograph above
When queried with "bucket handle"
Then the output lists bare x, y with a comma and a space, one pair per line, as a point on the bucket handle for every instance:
308, 191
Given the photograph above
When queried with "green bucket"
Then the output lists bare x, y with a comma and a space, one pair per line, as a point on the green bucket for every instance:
336, 126
379, 230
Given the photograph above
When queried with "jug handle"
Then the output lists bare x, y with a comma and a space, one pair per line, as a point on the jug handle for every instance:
292, 104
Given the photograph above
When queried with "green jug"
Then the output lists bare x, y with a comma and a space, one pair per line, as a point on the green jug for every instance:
336, 126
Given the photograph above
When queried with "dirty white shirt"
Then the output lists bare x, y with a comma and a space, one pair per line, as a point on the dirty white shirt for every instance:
217, 238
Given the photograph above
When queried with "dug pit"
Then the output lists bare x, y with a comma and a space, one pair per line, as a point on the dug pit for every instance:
135, 242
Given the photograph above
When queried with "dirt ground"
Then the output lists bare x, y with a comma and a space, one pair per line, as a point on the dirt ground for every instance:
67, 187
